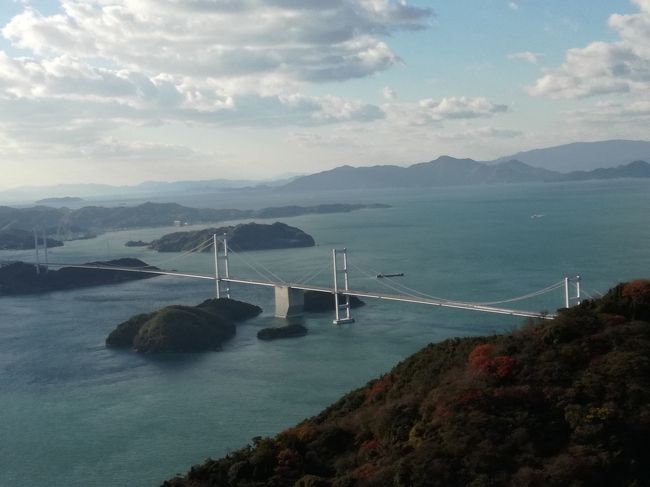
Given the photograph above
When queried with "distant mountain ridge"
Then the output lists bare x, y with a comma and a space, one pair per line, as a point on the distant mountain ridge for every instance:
636, 169
59, 191
448, 171
584, 156
444, 171
544, 164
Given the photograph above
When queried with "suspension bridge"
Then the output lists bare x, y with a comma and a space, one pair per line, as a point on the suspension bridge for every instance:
289, 296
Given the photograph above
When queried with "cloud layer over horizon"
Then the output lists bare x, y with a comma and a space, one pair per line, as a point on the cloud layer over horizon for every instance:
95, 81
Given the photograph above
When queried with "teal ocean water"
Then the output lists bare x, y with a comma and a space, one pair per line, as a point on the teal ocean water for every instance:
73, 413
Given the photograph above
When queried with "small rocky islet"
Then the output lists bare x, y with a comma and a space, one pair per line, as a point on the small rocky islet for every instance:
278, 332
314, 302
137, 243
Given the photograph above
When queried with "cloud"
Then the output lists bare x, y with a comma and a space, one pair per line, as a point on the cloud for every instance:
429, 111
73, 90
513, 5
482, 133
293, 40
529, 57
603, 68
460, 107
388, 93
635, 113
312, 139
97, 66
112, 149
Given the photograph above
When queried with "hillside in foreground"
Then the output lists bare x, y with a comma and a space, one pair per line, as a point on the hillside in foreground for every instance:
564, 402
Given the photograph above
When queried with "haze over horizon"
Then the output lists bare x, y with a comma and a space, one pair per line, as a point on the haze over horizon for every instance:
125, 91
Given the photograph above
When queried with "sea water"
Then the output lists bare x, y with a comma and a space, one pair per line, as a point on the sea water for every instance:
74, 413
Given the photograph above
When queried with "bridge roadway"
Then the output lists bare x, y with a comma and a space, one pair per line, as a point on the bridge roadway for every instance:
444, 303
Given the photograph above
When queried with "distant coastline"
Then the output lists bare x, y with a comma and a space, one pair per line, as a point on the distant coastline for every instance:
63, 200
88, 221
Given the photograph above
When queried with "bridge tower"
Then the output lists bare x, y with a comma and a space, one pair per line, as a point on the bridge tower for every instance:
226, 265
341, 319
217, 274
36, 246
568, 299
47, 260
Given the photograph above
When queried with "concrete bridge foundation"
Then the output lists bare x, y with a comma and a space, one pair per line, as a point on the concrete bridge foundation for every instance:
288, 302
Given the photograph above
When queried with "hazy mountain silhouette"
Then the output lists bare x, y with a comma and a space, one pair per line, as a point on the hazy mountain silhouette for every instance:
636, 169
584, 156
444, 171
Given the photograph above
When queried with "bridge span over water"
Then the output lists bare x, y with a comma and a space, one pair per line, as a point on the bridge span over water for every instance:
289, 296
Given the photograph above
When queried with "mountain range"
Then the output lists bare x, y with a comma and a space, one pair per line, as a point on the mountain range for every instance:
574, 161
584, 156
60, 192
448, 171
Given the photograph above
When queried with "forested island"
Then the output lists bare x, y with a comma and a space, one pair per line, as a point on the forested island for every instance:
248, 236
554, 403
183, 329
22, 278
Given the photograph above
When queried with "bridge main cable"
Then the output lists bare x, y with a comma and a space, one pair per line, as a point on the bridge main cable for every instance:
373, 295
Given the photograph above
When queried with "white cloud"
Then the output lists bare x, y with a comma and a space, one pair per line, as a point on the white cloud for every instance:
601, 68
635, 113
297, 41
513, 5
528, 56
482, 133
460, 107
312, 139
74, 88
429, 111
97, 66
388, 93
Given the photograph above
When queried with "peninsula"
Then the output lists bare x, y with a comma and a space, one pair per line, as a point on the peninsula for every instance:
22, 278
16, 239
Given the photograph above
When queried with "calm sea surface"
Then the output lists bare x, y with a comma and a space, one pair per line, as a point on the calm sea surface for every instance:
73, 413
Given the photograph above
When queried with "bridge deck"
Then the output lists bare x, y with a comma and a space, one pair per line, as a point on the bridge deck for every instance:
444, 303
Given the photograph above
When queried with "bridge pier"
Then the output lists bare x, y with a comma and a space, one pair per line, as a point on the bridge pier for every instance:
289, 302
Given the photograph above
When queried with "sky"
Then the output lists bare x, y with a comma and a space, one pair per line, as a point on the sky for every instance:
125, 91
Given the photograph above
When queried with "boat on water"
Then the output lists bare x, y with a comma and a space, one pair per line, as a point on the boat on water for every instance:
397, 274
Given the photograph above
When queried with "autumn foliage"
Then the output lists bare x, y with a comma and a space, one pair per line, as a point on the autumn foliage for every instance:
563, 402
